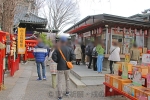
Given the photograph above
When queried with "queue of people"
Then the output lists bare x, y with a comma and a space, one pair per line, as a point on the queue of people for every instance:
62, 52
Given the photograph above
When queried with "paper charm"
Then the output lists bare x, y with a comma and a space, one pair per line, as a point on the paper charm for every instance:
127, 58
137, 78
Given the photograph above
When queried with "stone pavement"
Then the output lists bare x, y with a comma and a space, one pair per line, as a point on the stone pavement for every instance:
23, 86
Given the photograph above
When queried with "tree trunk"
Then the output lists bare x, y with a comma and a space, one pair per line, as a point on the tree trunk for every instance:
8, 15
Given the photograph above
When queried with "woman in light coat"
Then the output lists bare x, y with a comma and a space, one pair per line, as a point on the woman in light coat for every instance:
78, 53
114, 55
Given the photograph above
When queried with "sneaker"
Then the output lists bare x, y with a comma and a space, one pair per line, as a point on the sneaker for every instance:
39, 79
60, 98
44, 78
67, 93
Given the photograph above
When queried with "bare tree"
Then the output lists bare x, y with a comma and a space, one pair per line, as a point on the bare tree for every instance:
60, 13
36, 5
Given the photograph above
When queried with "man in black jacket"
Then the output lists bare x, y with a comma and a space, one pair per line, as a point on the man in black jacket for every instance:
61, 64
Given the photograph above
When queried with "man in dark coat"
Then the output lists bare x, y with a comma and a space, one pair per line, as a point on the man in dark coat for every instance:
63, 70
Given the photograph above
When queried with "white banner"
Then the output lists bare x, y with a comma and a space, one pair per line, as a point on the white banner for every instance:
87, 34
146, 58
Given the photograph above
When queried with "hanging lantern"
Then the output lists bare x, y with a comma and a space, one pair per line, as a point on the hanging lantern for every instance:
124, 30
115, 30
100, 30
118, 29
109, 30
140, 31
129, 30
145, 32
135, 31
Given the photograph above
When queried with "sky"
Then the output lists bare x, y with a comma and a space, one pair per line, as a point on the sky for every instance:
116, 7
124, 8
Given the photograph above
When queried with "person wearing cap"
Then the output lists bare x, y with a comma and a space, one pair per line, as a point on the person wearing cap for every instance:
62, 68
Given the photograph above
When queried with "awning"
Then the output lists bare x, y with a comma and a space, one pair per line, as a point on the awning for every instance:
79, 28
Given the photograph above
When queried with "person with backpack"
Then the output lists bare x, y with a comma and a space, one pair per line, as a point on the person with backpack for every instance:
94, 55
63, 55
88, 51
114, 55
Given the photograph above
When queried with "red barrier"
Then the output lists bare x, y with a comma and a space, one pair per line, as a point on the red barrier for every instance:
2, 56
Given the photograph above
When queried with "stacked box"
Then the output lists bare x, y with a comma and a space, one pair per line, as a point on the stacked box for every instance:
142, 91
118, 81
109, 78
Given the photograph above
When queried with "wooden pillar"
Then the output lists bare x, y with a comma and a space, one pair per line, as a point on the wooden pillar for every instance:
148, 41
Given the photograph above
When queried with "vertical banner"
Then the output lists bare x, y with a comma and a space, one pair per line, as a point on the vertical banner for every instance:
21, 40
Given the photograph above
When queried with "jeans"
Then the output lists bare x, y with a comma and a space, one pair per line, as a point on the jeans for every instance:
94, 63
100, 63
43, 69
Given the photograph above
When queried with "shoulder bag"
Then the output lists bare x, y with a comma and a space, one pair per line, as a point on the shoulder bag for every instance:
69, 64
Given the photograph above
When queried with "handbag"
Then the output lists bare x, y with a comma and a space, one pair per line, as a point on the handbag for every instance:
69, 64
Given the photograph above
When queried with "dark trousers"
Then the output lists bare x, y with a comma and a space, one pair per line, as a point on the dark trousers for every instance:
90, 61
111, 66
83, 58
94, 63
78, 61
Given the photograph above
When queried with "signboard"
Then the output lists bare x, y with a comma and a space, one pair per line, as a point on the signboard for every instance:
21, 40
87, 34
146, 58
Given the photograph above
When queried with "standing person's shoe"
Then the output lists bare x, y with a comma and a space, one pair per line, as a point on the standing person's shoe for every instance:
67, 93
89, 68
60, 98
39, 79
44, 78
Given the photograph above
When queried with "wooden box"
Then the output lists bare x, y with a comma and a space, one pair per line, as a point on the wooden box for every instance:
118, 81
109, 78
142, 91
143, 70
129, 67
